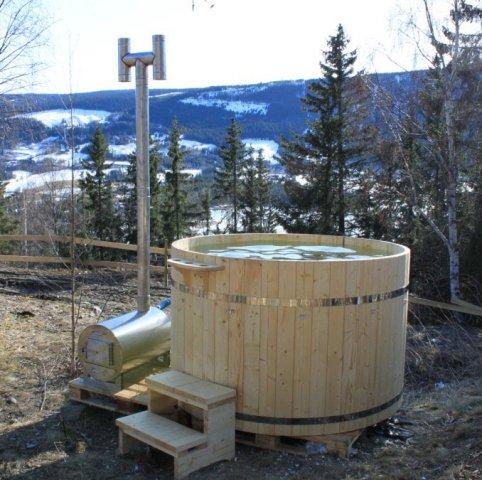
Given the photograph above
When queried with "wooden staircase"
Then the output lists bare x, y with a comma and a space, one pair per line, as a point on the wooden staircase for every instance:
211, 409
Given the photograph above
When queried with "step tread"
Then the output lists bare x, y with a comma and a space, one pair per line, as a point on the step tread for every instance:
160, 432
190, 389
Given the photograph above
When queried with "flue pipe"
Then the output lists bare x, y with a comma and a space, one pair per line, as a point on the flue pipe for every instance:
141, 61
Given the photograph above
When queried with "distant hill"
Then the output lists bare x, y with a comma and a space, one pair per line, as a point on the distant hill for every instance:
265, 110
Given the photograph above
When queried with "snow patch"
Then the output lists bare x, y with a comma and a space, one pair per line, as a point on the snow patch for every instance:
23, 180
52, 118
193, 145
122, 150
235, 106
27, 182
192, 172
234, 91
268, 147
301, 180
164, 95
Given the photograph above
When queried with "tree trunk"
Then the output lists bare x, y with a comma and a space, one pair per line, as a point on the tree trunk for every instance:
452, 246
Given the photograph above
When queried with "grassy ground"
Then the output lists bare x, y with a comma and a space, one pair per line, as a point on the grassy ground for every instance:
43, 436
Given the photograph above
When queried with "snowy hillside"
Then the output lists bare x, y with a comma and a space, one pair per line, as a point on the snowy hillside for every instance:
265, 112
52, 118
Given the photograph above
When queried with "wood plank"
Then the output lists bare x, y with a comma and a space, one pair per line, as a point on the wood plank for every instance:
335, 343
188, 323
208, 372
351, 347
161, 433
189, 389
413, 299
67, 261
199, 281
222, 315
251, 338
236, 332
319, 344
94, 386
302, 340
285, 348
267, 349
78, 241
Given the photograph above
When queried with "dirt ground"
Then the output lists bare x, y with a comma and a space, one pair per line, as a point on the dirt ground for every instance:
44, 436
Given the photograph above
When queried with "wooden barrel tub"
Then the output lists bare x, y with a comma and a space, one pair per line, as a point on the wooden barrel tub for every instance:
311, 347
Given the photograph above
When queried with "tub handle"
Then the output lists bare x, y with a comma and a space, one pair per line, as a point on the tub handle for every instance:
182, 263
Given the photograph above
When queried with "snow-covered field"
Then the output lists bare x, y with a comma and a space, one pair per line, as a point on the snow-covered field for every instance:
193, 145
164, 95
23, 180
268, 147
46, 149
52, 118
235, 106
235, 91
122, 150
192, 172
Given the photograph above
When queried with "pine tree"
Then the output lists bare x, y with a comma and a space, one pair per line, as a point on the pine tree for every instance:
248, 197
255, 202
228, 176
317, 161
130, 198
98, 201
206, 211
267, 218
176, 212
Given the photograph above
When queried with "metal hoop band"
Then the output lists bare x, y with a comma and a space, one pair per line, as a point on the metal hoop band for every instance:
288, 302
317, 420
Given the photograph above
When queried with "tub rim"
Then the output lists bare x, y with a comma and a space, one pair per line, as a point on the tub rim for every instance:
398, 249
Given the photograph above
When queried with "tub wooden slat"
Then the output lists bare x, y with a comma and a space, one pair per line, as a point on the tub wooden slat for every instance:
209, 328
251, 340
351, 352
319, 343
199, 281
267, 352
221, 328
335, 342
302, 347
188, 325
236, 332
285, 348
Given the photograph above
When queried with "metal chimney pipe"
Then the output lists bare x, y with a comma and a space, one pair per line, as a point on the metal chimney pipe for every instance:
159, 66
143, 189
141, 61
123, 46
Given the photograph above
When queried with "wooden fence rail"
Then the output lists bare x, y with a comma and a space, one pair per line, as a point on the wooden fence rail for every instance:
78, 241
80, 262
461, 306
68, 261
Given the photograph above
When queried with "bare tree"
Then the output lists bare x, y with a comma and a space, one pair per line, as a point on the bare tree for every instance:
451, 48
22, 33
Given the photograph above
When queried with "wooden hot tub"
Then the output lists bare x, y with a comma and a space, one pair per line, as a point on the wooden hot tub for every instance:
311, 346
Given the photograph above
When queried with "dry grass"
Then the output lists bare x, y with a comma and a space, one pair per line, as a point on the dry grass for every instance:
42, 436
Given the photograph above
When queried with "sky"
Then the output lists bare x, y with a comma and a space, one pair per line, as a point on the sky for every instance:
220, 42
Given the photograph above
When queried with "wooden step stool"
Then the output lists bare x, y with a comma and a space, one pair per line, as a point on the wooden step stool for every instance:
211, 405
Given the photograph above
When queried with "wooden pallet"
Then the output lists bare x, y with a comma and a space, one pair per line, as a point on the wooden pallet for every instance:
340, 444
133, 399
109, 396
